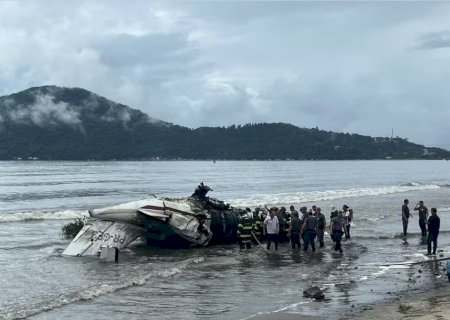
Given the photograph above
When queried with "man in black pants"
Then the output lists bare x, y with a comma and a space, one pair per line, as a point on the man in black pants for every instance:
321, 222
348, 216
294, 230
271, 229
434, 224
309, 228
405, 216
423, 216
336, 226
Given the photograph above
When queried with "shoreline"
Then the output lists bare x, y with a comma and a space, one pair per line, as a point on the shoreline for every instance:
420, 304
426, 305
429, 305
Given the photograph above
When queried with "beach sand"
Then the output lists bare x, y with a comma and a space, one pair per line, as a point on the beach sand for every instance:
433, 304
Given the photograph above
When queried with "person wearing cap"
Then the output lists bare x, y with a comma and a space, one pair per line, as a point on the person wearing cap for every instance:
405, 216
434, 224
423, 217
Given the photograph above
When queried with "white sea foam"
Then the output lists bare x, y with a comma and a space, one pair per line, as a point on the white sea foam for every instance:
291, 306
316, 196
381, 272
42, 215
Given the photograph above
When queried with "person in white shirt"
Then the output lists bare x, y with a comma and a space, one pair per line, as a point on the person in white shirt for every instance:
348, 216
271, 229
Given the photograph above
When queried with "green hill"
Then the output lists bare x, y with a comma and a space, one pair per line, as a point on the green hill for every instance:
54, 123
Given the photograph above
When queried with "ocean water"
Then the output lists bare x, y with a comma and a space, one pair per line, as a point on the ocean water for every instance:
221, 282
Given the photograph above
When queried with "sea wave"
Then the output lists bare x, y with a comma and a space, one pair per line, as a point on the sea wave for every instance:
95, 291
42, 215
316, 196
411, 184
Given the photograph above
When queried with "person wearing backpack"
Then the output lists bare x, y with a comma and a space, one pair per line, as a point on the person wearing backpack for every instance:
336, 227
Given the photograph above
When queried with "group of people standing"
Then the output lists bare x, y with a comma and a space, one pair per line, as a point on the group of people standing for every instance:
430, 223
279, 225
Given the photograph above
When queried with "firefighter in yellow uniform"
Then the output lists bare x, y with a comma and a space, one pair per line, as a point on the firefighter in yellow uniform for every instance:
257, 225
244, 231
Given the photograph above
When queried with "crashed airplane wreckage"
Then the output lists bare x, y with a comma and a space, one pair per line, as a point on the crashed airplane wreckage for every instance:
167, 222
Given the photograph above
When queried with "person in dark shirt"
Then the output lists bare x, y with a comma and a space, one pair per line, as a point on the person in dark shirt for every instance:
281, 221
309, 228
423, 216
336, 226
303, 215
405, 216
434, 224
294, 230
201, 191
321, 222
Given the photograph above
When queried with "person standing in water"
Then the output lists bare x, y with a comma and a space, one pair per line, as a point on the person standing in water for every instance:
309, 228
294, 229
405, 216
434, 224
336, 226
279, 215
321, 222
271, 229
244, 230
348, 216
423, 217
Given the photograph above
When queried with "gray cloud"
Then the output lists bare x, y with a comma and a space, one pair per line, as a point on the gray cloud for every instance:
125, 50
343, 66
435, 40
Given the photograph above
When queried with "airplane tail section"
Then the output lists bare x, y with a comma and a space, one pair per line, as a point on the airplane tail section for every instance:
102, 233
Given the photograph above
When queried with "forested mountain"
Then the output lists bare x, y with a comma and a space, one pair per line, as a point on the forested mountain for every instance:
54, 123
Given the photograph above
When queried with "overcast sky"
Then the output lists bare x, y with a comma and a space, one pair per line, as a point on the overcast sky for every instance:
342, 66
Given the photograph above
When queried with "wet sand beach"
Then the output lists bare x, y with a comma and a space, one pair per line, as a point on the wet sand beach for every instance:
432, 304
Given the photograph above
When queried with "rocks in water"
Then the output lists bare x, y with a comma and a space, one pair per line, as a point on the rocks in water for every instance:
314, 292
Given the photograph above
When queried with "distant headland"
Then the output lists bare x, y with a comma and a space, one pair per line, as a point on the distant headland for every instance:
55, 123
